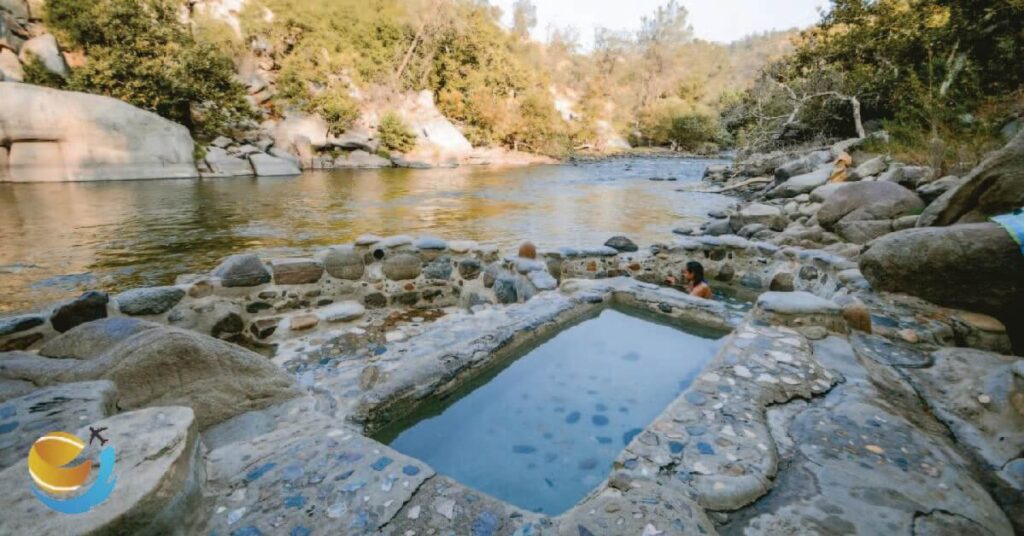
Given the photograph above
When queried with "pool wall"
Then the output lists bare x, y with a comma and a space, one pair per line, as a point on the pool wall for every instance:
267, 301
794, 389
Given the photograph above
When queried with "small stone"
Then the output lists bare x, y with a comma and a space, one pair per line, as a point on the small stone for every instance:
528, 251
369, 377
242, 271
909, 335
414, 513
621, 243
304, 322
149, 301
403, 266
344, 263
368, 240
469, 269
505, 289
446, 508
875, 449
985, 399
296, 271
89, 306
814, 333
696, 398
344, 312
432, 243
650, 530
742, 372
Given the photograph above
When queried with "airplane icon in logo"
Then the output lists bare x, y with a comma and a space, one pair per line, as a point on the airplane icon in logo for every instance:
95, 434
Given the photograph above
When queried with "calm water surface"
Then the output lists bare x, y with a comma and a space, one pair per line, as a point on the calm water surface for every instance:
59, 239
543, 433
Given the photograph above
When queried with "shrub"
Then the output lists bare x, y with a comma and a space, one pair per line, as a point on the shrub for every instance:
395, 134
37, 73
140, 52
337, 108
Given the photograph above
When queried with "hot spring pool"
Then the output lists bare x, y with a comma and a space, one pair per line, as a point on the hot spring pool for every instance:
542, 432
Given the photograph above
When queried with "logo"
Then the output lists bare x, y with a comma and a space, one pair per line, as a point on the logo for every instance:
58, 484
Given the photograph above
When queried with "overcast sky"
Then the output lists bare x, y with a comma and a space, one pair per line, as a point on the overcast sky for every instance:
713, 20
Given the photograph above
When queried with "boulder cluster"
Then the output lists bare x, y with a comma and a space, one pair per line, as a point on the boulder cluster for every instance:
910, 230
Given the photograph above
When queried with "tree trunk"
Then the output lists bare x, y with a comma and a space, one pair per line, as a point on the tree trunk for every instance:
857, 123
408, 54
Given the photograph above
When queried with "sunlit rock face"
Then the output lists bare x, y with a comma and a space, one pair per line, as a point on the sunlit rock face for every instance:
55, 136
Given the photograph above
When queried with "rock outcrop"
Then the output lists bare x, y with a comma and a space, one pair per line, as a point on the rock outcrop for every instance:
158, 473
52, 136
159, 366
994, 187
863, 201
973, 266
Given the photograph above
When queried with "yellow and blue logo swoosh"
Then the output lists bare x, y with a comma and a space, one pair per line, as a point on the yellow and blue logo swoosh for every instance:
48, 466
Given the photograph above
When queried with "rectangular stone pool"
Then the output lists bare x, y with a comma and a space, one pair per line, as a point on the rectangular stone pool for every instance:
542, 432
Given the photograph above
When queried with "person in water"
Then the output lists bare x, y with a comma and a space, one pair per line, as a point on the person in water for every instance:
695, 284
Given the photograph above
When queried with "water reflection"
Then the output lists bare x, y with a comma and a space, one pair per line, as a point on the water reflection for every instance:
57, 239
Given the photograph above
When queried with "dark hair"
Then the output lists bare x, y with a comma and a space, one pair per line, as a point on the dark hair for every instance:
697, 269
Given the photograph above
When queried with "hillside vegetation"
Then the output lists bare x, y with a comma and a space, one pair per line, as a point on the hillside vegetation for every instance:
942, 77
658, 86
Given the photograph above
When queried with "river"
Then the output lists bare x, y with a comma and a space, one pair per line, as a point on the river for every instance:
59, 239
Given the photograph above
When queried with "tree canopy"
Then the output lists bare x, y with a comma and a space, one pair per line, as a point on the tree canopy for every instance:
140, 52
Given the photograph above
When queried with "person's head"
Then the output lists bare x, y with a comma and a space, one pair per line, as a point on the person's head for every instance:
694, 272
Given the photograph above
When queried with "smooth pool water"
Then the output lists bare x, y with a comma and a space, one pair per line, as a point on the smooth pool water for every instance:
58, 239
543, 432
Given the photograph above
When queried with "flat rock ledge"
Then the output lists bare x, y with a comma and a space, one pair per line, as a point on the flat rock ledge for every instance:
159, 475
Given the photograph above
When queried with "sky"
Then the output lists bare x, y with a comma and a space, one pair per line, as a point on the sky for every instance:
713, 20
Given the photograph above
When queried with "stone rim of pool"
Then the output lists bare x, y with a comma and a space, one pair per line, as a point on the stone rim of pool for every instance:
421, 386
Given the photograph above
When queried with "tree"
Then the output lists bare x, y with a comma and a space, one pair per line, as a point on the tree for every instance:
524, 18
924, 68
395, 134
140, 52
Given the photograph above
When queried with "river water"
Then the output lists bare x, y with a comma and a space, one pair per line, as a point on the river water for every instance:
59, 239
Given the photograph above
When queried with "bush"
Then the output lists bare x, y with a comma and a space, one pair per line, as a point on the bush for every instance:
337, 108
140, 52
37, 73
395, 134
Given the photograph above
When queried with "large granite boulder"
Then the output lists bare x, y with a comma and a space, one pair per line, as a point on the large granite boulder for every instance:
222, 164
265, 165
299, 125
160, 366
863, 201
91, 340
758, 213
158, 471
994, 187
58, 135
802, 184
974, 266
44, 49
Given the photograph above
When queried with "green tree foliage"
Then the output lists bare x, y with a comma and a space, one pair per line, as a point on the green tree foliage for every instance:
923, 68
139, 51
394, 134
480, 72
